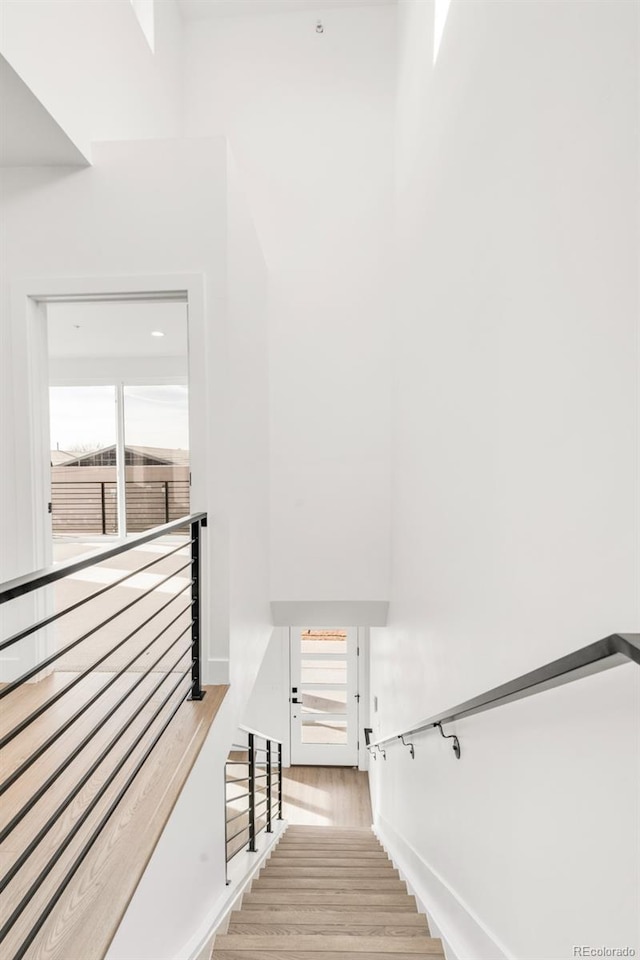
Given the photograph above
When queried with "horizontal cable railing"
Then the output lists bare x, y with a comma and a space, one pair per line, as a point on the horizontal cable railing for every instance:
83, 719
90, 507
253, 777
611, 651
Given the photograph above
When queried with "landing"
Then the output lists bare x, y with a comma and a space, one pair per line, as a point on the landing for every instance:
326, 797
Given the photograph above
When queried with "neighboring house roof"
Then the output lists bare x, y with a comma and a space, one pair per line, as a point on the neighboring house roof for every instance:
168, 454
60, 456
145, 456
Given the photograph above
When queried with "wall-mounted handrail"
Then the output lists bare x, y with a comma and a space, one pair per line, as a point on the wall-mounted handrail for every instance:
609, 652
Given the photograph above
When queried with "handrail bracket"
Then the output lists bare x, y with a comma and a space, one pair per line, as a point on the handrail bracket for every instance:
450, 736
412, 749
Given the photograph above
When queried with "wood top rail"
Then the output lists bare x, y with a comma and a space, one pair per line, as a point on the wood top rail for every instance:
609, 652
42, 578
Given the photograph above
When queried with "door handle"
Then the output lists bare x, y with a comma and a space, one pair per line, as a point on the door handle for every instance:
295, 700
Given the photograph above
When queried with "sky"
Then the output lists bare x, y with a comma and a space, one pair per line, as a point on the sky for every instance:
84, 418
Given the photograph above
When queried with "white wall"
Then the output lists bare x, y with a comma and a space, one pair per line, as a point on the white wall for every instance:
91, 66
268, 710
310, 121
515, 470
247, 424
186, 872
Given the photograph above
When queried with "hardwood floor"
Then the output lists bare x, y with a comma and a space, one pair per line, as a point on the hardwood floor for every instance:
87, 913
326, 796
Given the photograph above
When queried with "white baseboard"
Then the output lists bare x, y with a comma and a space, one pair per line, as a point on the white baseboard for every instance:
242, 870
463, 934
217, 671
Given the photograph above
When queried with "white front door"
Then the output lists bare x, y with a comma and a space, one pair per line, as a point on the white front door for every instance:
324, 696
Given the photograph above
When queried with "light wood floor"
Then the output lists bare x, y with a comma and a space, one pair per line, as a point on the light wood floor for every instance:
163, 603
87, 914
326, 797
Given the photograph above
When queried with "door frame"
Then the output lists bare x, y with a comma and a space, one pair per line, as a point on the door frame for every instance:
30, 380
360, 708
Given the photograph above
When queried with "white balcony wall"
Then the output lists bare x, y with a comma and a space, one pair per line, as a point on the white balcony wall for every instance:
91, 66
515, 490
309, 117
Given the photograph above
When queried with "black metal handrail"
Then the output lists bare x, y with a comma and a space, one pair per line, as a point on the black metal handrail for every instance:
178, 638
42, 578
611, 651
250, 826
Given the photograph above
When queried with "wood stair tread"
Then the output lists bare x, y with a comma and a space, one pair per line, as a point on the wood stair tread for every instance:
305, 852
301, 830
297, 863
320, 928
322, 955
336, 899
351, 917
330, 846
334, 883
340, 872
323, 943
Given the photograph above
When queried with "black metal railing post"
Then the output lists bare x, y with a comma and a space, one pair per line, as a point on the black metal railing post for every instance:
103, 509
252, 794
166, 501
279, 781
197, 692
226, 829
269, 828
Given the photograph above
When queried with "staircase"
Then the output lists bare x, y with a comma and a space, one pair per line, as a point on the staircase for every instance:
327, 894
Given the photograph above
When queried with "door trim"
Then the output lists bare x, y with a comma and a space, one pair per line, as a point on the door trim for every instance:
357, 677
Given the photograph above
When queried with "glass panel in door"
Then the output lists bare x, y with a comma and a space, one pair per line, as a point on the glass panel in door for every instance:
156, 449
84, 495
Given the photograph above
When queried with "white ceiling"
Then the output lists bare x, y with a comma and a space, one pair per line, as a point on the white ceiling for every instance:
206, 9
29, 136
116, 329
